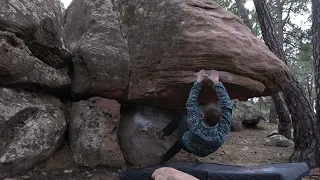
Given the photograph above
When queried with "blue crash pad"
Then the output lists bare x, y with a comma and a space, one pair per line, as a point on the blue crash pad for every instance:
212, 171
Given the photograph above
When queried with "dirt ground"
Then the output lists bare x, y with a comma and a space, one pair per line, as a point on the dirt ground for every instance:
247, 147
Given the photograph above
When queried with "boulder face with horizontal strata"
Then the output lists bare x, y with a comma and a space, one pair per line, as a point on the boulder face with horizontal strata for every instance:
165, 43
169, 41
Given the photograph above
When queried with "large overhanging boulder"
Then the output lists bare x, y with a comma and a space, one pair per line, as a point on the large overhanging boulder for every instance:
39, 24
165, 43
171, 40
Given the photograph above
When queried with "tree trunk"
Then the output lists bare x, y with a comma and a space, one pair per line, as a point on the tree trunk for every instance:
273, 117
244, 15
284, 126
316, 51
310, 89
278, 108
280, 21
260, 103
306, 132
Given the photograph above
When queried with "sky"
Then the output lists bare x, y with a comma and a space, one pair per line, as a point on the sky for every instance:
66, 3
299, 19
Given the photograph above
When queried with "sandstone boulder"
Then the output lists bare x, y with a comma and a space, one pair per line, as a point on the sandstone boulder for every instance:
246, 112
31, 127
137, 134
39, 24
101, 56
171, 40
236, 125
93, 132
243, 112
19, 68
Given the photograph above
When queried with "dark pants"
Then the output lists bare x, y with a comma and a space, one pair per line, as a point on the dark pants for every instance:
182, 125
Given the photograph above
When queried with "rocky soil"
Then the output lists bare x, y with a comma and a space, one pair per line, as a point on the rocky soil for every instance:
246, 147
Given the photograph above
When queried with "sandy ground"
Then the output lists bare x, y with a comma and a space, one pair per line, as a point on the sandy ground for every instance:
247, 147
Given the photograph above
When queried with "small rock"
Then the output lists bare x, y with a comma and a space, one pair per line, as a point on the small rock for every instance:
280, 141
44, 173
25, 177
119, 170
275, 132
245, 148
243, 142
94, 170
68, 171
87, 172
9, 179
89, 175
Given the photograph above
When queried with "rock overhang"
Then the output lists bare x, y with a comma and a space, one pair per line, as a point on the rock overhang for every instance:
167, 43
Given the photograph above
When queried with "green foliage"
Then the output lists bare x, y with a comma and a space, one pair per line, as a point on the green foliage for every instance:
296, 36
301, 61
230, 5
255, 24
62, 6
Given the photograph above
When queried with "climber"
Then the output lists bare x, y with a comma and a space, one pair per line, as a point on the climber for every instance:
201, 134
